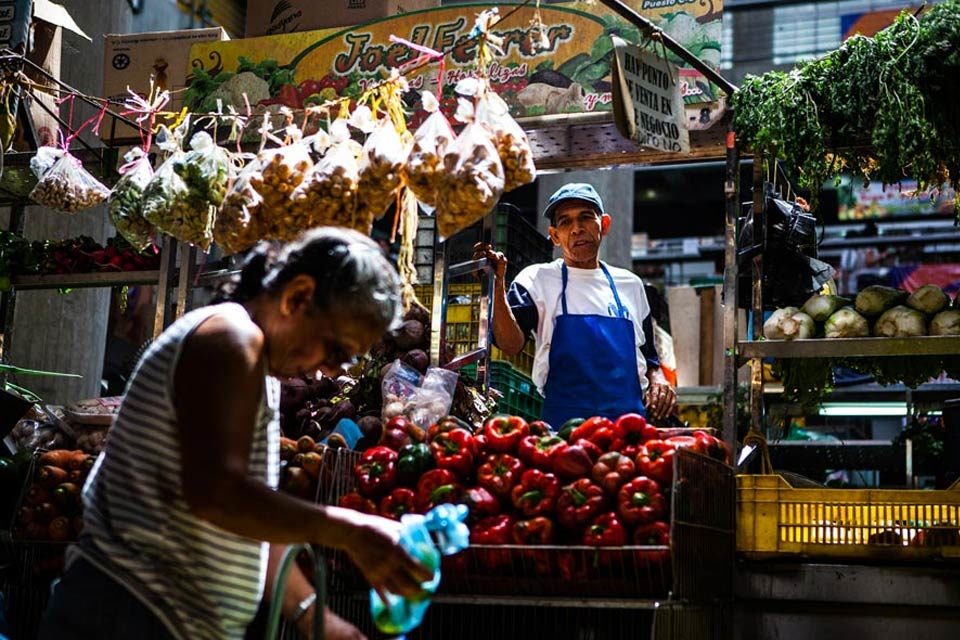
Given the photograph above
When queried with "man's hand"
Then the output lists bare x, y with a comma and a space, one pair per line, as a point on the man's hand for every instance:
660, 400
498, 261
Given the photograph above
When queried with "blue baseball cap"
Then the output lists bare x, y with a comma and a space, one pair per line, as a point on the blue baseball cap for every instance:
573, 191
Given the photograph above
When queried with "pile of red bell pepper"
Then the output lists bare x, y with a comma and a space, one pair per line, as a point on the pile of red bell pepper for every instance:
598, 482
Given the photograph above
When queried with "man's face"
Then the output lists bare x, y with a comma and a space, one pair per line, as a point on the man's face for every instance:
577, 230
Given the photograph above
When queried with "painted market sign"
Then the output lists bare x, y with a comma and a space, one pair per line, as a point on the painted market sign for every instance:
571, 74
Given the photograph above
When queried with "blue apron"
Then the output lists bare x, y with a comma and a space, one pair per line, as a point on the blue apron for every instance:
593, 364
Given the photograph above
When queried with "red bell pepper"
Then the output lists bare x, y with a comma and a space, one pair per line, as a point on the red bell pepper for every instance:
590, 426
579, 503
492, 530
447, 423
613, 470
537, 452
640, 501
376, 473
480, 444
536, 494
533, 532
593, 450
633, 432
505, 432
482, 503
398, 502
714, 447
437, 486
394, 437
655, 460
500, 474
605, 531
688, 442
357, 502
654, 534
540, 428
571, 461
454, 450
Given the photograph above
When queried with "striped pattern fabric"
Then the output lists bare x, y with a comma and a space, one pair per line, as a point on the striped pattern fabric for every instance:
202, 581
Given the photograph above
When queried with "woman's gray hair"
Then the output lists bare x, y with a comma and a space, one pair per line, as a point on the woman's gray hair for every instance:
353, 276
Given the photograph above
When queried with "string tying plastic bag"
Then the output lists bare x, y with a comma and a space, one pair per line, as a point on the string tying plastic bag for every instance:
63, 184
510, 139
182, 197
424, 168
328, 194
126, 201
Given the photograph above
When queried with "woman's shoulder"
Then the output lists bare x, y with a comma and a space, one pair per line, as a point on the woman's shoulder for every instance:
225, 331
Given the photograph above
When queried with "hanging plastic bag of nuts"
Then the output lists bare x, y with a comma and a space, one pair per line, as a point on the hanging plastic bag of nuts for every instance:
473, 181
126, 201
328, 194
183, 195
381, 164
62, 182
282, 170
510, 138
240, 223
423, 171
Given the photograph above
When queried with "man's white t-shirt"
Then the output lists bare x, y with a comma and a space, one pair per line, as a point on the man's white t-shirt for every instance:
588, 293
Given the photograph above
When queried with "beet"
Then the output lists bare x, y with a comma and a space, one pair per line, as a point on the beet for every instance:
410, 334
419, 313
345, 409
418, 359
371, 427
325, 388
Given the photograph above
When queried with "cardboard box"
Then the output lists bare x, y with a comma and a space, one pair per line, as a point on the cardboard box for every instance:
130, 60
272, 17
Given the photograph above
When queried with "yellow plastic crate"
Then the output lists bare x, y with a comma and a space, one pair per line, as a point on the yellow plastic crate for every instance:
879, 524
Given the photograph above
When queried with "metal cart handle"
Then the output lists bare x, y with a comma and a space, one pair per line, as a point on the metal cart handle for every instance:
280, 585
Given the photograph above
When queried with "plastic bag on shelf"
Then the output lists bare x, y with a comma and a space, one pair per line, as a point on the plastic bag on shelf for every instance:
400, 383
510, 138
424, 168
63, 184
240, 223
182, 197
381, 166
328, 194
126, 201
280, 172
473, 181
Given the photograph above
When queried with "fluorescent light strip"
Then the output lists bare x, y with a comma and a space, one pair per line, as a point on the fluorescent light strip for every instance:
875, 409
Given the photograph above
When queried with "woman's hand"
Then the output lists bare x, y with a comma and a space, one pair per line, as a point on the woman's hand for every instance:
373, 545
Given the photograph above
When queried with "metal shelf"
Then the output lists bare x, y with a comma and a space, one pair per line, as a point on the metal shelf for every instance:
81, 280
850, 347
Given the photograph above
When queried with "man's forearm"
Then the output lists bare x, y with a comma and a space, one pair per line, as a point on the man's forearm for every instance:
655, 376
506, 329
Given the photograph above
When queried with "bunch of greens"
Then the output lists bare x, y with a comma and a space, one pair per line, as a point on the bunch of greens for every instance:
880, 108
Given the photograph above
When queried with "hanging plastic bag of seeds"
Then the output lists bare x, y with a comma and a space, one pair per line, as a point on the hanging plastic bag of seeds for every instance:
510, 138
62, 182
126, 201
381, 165
328, 193
424, 168
473, 180
240, 222
183, 195
281, 171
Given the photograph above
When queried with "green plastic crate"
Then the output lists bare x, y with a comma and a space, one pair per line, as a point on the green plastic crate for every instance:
520, 395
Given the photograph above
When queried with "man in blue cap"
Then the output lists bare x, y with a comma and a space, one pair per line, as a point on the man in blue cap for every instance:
595, 352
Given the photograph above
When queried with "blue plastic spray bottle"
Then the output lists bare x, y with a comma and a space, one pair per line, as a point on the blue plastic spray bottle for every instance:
451, 535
